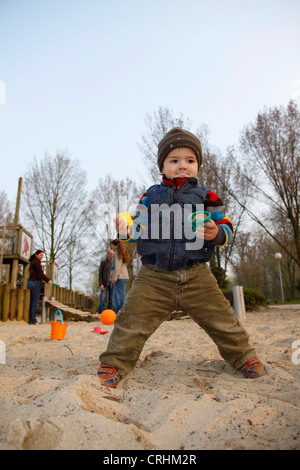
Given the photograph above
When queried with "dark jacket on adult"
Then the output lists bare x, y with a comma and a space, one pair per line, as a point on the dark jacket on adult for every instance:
36, 271
104, 272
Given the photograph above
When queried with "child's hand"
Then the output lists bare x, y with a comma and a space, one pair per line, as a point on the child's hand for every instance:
121, 226
208, 232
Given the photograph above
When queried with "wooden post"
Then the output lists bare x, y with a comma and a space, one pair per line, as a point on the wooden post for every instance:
20, 304
14, 272
18, 203
26, 307
13, 304
73, 296
66, 302
1, 300
64, 295
6, 302
48, 290
2, 251
25, 276
15, 263
58, 294
69, 297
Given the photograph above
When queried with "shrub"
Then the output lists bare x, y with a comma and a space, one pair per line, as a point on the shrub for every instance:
253, 297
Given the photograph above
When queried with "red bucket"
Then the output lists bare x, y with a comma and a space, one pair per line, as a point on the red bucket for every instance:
58, 329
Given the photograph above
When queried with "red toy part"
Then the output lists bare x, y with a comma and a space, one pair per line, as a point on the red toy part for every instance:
97, 329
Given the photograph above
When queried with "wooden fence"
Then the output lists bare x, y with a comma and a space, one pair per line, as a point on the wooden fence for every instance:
15, 303
71, 298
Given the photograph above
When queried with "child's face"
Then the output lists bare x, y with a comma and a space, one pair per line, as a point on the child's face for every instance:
180, 163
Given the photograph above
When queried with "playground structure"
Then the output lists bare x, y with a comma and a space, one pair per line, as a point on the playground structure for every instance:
16, 243
16, 248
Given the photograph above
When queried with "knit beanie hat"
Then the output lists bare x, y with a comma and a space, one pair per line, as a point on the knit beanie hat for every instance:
175, 138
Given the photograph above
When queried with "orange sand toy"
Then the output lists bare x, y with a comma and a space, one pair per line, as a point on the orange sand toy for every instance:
58, 330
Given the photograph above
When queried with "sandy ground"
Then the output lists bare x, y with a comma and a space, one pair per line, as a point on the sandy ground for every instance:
181, 395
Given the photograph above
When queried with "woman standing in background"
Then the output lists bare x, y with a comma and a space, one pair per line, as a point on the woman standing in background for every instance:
36, 275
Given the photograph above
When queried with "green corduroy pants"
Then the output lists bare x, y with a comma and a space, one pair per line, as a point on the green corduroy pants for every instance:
155, 294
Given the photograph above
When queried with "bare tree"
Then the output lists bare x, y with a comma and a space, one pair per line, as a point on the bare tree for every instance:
57, 206
290, 269
77, 261
226, 180
6, 216
254, 265
270, 148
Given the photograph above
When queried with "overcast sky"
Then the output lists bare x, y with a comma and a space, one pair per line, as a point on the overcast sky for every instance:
83, 74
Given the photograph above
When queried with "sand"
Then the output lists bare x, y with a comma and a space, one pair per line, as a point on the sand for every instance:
181, 395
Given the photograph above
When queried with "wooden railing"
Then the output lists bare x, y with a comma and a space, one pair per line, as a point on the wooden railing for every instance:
71, 298
15, 303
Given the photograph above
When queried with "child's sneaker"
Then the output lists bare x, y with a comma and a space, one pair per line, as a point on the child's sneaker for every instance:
253, 368
109, 375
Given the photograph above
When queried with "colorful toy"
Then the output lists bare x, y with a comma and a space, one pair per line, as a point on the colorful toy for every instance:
107, 317
198, 219
126, 217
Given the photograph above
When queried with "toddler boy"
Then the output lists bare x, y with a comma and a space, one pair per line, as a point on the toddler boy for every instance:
174, 273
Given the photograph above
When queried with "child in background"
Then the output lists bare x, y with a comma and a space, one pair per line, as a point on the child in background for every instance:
175, 274
119, 274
